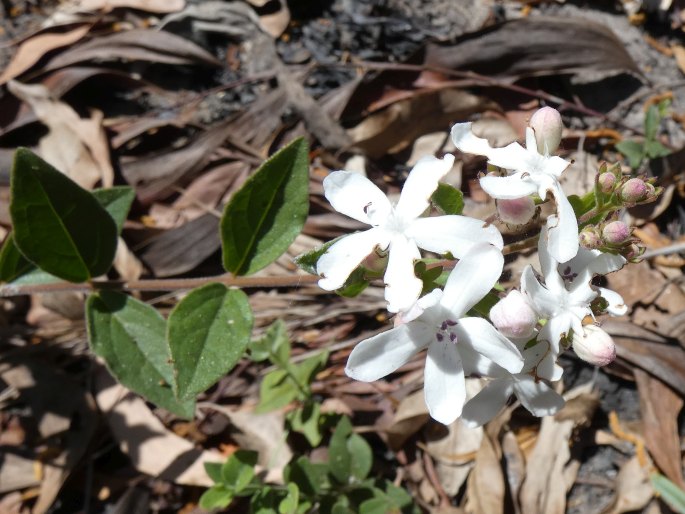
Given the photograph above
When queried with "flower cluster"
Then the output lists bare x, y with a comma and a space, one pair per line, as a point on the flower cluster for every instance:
517, 348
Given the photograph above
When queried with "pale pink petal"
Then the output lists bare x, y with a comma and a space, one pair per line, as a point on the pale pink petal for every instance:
421, 184
380, 355
512, 156
454, 234
472, 278
487, 403
536, 396
356, 196
482, 337
444, 384
346, 254
402, 287
514, 186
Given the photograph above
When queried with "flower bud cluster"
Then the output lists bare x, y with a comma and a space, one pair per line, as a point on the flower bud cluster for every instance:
612, 236
628, 191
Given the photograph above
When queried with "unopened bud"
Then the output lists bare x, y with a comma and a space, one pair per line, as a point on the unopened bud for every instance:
513, 316
616, 232
635, 190
590, 238
516, 212
634, 252
606, 182
594, 346
547, 125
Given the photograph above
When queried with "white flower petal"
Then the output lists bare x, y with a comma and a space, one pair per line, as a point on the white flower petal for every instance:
421, 184
472, 278
476, 364
512, 156
402, 287
617, 307
346, 254
544, 301
486, 340
588, 263
415, 311
562, 229
455, 234
555, 328
549, 265
356, 196
444, 384
514, 186
487, 403
548, 368
536, 396
380, 355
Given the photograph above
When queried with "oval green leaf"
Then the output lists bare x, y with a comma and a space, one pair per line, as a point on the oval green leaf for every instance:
208, 332
265, 216
58, 225
117, 202
129, 335
12, 263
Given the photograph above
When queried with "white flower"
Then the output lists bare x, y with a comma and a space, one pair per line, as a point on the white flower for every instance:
398, 229
563, 305
533, 173
534, 394
588, 263
454, 342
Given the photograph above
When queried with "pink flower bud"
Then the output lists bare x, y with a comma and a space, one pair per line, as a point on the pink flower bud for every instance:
516, 212
594, 346
634, 190
606, 182
546, 123
513, 316
616, 232
589, 238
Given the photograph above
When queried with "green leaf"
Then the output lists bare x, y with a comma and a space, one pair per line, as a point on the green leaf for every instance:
117, 202
633, 150
58, 225
654, 149
274, 345
583, 204
339, 458
310, 478
289, 504
673, 495
12, 263
305, 371
361, 456
238, 471
216, 497
207, 332
652, 121
355, 283
448, 199
265, 216
306, 421
378, 506
213, 470
129, 335
276, 390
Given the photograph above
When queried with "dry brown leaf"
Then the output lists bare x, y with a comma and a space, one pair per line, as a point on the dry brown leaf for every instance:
633, 488
397, 126
75, 146
660, 407
547, 471
515, 466
276, 22
17, 472
126, 263
156, 6
136, 45
485, 488
679, 54
35, 47
152, 448
649, 351
411, 415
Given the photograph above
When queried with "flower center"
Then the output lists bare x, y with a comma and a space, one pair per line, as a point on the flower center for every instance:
395, 222
446, 331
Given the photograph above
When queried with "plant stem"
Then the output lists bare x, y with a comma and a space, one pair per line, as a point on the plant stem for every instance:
173, 284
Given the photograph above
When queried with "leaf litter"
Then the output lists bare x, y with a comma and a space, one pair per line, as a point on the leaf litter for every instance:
201, 92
